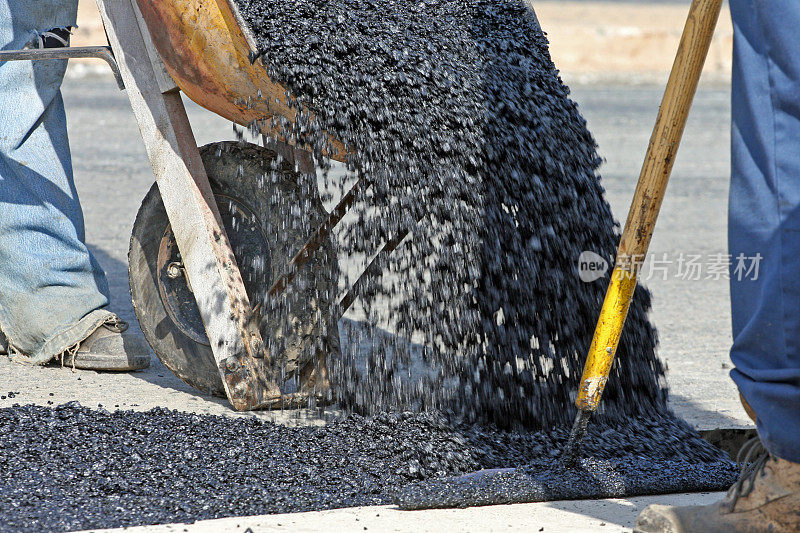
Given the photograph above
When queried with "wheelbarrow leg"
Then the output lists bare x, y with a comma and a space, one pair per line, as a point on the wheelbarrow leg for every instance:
182, 181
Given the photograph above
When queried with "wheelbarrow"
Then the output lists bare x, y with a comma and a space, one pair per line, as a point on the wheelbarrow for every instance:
203, 261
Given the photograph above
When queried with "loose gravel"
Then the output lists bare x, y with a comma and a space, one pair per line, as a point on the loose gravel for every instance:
70, 467
456, 115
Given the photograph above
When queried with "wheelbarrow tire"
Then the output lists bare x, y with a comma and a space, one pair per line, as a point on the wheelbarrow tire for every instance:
268, 217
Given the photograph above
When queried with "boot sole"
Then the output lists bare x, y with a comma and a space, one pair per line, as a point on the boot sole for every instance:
85, 361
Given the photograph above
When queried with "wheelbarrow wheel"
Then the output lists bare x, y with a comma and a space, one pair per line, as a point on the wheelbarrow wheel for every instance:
268, 217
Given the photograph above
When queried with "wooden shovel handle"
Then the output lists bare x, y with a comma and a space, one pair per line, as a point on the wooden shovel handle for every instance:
668, 129
653, 179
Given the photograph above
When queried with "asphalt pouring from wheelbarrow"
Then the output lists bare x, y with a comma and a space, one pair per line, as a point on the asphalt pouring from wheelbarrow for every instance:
455, 115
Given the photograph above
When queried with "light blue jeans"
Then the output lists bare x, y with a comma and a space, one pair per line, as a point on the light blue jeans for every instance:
52, 291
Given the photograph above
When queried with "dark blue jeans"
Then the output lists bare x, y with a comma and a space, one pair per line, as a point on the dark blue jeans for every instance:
52, 291
764, 216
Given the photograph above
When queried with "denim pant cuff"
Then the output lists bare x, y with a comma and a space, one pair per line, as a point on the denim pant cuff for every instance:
779, 444
63, 340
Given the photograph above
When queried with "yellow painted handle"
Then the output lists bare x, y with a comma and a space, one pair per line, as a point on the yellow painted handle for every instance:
606, 337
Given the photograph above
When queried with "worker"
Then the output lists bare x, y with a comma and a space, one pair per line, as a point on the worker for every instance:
764, 221
53, 294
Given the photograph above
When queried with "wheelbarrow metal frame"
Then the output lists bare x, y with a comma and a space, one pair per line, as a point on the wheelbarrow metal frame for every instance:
73, 52
189, 202
216, 77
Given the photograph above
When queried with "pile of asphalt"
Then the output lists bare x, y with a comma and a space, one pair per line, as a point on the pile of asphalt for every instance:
455, 114
70, 467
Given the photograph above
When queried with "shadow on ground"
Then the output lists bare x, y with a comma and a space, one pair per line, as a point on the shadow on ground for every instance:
359, 348
359, 344
157, 374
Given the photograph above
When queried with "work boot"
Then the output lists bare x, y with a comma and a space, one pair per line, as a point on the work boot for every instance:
766, 498
109, 348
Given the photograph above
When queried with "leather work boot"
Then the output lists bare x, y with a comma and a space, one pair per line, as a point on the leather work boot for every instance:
766, 498
109, 348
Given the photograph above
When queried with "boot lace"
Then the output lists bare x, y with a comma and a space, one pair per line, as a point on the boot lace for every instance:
752, 459
115, 324
112, 323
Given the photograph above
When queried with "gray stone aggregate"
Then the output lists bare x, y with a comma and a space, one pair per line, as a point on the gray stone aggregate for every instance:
69, 467
456, 116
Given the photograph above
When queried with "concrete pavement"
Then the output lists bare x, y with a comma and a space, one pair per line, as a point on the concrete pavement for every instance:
586, 516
